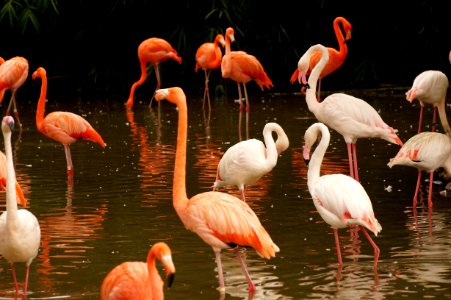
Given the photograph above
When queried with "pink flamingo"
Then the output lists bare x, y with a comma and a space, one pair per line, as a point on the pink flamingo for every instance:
339, 199
154, 51
430, 87
63, 127
209, 57
426, 151
221, 220
246, 162
139, 280
20, 234
242, 68
352, 117
3, 172
13, 73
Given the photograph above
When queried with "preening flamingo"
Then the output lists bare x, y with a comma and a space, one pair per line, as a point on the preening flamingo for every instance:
242, 68
247, 161
352, 117
339, 199
336, 58
3, 172
153, 51
139, 280
13, 73
221, 220
426, 151
430, 87
63, 127
20, 234
209, 57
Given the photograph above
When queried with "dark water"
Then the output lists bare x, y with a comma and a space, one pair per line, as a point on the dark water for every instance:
121, 203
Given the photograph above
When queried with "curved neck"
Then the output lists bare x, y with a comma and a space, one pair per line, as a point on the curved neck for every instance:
343, 48
41, 103
11, 203
154, 277
316, 160
271, 149
227, 58
310, 95
180, 199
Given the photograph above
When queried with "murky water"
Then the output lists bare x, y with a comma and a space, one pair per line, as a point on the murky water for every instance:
121, 203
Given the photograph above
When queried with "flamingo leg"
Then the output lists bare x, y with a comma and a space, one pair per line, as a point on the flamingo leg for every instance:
70, 166
16, 285
415, 197
220, 274
375, 247
240, 98
337, 245
351, 168
25, 286
434, 118
157, 74
207, 91
245, 271
318, 95
354, 161
246, 97
243, 194
12, 102
431, 181
420, 121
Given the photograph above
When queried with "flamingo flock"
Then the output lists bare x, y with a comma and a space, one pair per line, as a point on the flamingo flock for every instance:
219, 219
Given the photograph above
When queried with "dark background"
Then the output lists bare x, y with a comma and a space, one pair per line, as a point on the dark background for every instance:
90, 47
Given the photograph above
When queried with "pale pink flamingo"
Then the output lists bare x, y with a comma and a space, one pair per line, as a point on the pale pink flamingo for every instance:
242, 68
336, 58
209, 57
221, 220
426, 151
3, 172
430, 87
246, 162
13, 73
63, 127
20, 234
139, 280
339, 199
153, 51
351, 117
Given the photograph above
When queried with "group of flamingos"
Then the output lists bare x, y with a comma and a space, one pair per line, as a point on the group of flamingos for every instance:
221, 220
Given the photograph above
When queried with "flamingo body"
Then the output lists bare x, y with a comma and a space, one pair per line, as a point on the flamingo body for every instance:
221, 220
153, 51
339, 199
20, 233
430, 87
139, 280
246, 162
63, 127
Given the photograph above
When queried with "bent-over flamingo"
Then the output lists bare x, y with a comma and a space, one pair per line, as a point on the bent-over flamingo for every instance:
221, 220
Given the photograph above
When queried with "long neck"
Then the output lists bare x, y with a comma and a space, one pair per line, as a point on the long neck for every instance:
41, 103
11, 203
314, 167
227, 59
271, 150
343, 48
154, 277
310, 96
180, 198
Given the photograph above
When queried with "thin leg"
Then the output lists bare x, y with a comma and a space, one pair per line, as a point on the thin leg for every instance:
207, 90
245, 271
351, 168
431, 181
70, 166
420, 122
220, 274
415, 197
25, 286
318, 95
157, 74
354, 161
434, 118
245, 96
243, 194
337, 245
240, 98
16, 285
375, 247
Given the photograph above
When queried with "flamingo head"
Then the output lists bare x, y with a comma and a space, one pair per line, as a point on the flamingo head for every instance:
220, 39
39, 73
230, 33
8, 124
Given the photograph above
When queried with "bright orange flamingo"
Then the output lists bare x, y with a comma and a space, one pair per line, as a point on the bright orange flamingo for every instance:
242, 68
61, 126
154, 51
20, 197
139, 280
20, 234
336, 58
221, 220
13, 74
209, 57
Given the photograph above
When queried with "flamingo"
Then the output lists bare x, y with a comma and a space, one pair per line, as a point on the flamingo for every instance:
20, 234
426, 151
209, 57
154, 51
13, 73
247, 161
139, 280
352, 117
336, 58
242, 68
63, 127
221, 220
3, 172
430, 87
339, 199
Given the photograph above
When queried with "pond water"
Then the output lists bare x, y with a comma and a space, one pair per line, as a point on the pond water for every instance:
120, 204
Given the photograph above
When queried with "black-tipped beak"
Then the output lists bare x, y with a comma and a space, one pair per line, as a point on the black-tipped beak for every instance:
306, 161
170, 279
306, 85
